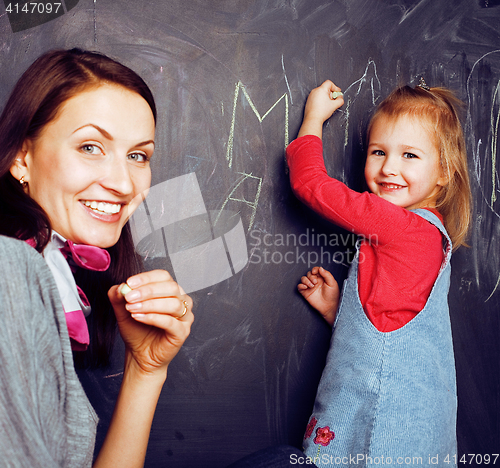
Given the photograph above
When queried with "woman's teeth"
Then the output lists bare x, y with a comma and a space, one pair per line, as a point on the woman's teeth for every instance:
103, 207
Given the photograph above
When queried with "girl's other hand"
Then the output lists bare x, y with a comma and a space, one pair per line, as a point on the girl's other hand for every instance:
319, 107
321, 290
154, 318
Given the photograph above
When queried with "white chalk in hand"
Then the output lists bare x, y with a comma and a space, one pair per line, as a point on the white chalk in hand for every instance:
125, 289
336, 94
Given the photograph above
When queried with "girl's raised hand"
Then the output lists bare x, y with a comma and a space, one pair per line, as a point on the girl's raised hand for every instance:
320, 106
321, 290
154, 318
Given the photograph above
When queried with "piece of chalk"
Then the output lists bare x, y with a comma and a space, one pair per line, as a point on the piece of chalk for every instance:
125, 289
336, 94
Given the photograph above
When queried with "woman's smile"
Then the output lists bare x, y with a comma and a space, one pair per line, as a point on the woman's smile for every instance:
103, 207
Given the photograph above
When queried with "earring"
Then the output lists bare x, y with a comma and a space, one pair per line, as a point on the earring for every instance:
23, 183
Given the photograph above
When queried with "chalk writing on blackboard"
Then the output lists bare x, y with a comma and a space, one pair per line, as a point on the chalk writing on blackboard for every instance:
252, 204
240, 87
478, 142
484, 153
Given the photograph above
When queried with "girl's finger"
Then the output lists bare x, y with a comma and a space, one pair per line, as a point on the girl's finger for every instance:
312, 277
306, 281
328, 277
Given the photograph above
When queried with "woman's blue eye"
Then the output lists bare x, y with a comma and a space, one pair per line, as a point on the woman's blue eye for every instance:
91, 149
138, 157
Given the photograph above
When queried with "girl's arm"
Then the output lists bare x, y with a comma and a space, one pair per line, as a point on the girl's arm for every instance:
319, 108
361, 213
153, 325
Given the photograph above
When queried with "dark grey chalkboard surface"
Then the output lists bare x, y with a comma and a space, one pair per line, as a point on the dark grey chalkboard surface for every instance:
231, 78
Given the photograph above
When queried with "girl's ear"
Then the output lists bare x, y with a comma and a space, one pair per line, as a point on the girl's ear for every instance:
445, 176
443, 180
20, 166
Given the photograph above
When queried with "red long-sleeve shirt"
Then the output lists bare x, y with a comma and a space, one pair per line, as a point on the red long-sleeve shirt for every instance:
398, 268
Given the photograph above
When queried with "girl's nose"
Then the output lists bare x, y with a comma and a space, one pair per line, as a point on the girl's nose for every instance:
390, 166
118, 178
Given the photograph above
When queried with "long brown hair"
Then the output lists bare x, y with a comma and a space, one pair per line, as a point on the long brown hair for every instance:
438, 110
35, 100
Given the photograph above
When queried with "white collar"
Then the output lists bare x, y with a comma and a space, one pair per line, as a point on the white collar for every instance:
63, 275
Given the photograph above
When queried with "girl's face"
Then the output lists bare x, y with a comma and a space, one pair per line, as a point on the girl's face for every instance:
402, 164
89, 168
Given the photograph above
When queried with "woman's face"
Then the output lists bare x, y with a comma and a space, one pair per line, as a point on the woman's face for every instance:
89, 168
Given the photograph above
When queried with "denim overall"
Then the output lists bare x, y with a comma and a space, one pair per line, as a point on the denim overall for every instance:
388, 398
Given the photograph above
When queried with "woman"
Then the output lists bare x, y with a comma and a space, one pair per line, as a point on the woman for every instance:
77, 135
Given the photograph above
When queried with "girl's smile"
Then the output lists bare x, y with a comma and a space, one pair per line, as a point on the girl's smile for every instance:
89, 167
403, 163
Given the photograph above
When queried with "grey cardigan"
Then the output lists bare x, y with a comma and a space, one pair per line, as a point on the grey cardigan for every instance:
46, 419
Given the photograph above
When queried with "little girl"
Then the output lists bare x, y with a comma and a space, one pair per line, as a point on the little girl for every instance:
388, 391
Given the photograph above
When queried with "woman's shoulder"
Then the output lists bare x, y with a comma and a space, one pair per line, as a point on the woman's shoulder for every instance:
25, 279
15, 248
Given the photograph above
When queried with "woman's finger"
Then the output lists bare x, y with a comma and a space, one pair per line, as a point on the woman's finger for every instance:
150, 291
153, 276
178, 328
177, 306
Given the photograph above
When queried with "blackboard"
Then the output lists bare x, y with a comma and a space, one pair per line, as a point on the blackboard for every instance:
231, 78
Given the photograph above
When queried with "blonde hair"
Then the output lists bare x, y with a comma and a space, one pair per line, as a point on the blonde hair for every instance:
438, 110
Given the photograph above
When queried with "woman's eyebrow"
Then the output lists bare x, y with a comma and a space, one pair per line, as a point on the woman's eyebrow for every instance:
99, 129
108, 136
145, 143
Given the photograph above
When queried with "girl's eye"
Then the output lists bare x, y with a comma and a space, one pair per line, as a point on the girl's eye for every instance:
138, 157
91, 149
378, 153
410, 156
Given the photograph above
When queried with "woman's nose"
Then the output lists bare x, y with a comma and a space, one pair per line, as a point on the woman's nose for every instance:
118, 178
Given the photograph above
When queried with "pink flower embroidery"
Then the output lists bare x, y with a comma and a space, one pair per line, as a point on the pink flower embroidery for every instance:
310, 427
324, 436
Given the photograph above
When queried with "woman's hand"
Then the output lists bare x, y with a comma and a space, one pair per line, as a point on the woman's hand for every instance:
321, 290
320, 106
154, 318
